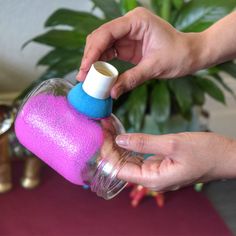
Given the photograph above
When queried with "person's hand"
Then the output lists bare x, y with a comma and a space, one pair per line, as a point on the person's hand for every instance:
140, 37
179, 159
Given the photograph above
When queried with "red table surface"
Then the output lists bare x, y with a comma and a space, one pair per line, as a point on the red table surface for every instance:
58, 208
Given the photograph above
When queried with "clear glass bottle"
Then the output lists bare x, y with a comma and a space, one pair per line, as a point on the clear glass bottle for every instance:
81, 149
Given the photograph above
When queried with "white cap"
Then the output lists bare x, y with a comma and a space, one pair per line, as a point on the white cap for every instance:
100, 79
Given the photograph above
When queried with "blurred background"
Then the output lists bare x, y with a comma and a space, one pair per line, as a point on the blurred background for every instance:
21, 21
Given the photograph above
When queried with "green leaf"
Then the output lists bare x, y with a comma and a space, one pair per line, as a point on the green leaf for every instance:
35, 83
224, 85
197, 15
128, 5
166, 9
229, 67
60, 38
136, 106
62, 68
27, 90
212, 89
58, 70
156, 5
110, 8
207, 72
121, 66
182, 90
84, 22
160, 102
197, 94
178, 3
59, 54
67, 66
120, 109
150, 126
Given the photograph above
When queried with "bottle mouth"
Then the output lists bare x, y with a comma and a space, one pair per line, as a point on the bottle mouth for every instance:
105, 69
100, 79
105, 182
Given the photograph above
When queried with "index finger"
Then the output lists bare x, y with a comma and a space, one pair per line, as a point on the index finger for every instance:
100, 40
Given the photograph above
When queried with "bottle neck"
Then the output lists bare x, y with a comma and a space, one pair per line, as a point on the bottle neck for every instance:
92, 97
105, 182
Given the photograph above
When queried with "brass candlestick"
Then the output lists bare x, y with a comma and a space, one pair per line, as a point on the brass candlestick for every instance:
5, 166
9, 148
31, 175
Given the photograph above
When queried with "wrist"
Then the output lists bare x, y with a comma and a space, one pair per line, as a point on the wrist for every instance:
226, 161
198, 51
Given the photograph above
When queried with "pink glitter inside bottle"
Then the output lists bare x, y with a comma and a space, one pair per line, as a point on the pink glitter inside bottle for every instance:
49, 123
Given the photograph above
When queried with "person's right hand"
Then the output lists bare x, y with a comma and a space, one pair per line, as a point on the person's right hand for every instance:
144, 39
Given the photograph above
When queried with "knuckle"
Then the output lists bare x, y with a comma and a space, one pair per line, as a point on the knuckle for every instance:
185, 136
106, 27
136, 12
139, 10
131, 81
161, 70
94, 33
173, 144
88, 37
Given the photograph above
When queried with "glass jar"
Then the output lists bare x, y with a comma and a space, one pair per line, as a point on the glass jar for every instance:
81, 149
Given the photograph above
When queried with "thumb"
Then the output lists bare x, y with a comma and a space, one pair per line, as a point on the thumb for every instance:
131, 79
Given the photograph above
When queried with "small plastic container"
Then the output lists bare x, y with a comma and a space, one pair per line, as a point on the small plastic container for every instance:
81, 149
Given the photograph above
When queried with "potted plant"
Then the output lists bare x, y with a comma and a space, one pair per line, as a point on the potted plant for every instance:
156, 106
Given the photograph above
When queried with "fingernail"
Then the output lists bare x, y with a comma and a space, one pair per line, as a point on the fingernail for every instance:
122, 140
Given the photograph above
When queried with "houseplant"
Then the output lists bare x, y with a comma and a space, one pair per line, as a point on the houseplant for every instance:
171, 98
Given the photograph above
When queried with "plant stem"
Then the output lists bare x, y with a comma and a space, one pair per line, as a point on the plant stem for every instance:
165, 9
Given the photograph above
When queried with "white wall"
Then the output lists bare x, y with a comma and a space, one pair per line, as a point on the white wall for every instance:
20, 21
223, 118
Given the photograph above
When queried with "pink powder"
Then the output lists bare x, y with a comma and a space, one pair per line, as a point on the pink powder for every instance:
51, 129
